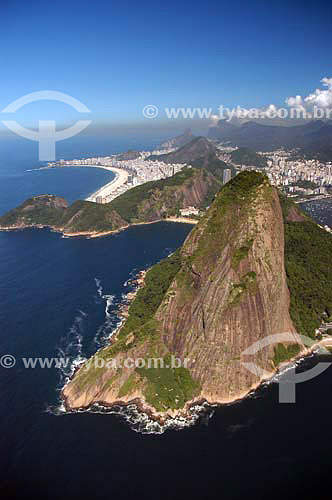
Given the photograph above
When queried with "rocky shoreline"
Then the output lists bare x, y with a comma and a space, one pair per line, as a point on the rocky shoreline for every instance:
194, 409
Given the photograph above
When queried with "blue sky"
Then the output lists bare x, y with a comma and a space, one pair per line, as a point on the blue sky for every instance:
116, 57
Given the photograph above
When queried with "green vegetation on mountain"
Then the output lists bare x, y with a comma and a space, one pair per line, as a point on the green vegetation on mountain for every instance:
246, 156
128, 386
128, 155
149, 298
168, 387
234, 197
180, 280
54, 212
308, 250
241, 253
308, 253
283, 353
245, 285
38, 210
128, 204
140, 323
146, 203
86, 216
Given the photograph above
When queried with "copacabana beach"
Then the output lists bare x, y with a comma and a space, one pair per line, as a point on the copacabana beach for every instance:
121, 177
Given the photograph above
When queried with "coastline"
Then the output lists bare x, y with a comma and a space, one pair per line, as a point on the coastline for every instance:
121, 177
185, 414
93, 234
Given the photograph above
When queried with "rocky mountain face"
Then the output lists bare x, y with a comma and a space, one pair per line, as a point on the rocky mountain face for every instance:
146, 203
222, 291
246, 156
231, 290
197, 192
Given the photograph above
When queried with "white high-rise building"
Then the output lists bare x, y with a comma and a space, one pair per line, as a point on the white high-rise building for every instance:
227, 175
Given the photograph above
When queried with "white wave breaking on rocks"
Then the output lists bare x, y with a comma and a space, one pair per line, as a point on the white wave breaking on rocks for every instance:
105, 330
141, 422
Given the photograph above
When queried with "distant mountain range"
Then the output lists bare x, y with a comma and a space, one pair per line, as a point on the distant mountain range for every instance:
313, 139
200, 153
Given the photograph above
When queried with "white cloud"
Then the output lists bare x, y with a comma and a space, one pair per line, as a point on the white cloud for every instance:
303, 107
322, 98
269, 111
295, 102
214, 119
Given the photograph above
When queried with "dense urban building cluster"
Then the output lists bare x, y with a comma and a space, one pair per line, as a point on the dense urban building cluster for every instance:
139, 170
295, 176
309, 176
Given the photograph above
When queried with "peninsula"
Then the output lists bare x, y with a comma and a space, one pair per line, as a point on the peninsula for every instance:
150, 202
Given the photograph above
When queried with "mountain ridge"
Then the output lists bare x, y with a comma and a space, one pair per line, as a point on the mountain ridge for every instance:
313, 139
179, 140
199, 153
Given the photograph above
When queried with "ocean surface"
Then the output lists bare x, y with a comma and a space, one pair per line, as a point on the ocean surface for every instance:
18, 156
57, 297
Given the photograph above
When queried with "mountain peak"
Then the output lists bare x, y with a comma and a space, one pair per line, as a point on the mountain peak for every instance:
224, 290
200, 152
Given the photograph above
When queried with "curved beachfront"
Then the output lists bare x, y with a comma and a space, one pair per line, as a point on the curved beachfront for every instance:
121, 177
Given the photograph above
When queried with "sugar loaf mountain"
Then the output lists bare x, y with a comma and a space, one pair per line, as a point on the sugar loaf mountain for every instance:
253, 266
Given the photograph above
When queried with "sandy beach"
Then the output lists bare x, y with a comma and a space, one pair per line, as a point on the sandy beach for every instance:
121, 177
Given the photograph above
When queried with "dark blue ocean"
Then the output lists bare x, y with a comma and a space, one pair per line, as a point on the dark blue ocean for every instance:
57, 296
